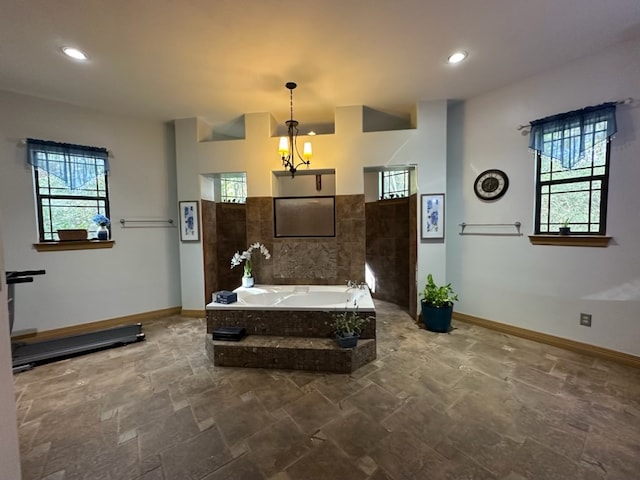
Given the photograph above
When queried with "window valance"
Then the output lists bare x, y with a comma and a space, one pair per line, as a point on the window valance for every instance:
75, 165
567, 136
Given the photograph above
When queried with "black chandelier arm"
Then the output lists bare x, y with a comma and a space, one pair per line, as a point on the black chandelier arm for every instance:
289, 160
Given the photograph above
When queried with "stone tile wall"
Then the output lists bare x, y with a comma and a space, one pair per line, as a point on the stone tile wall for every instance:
294, 323
312, 261
223, 233
209, 248
231, 221
388, 248
381, 233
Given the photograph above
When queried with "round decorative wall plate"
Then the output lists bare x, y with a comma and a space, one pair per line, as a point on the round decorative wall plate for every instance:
491, 184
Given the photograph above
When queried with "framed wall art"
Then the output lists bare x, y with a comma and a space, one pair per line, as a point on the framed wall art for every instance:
432, 219
189, 221
304, 216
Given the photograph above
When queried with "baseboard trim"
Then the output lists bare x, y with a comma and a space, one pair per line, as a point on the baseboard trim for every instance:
194, 313
572, 345
93, 326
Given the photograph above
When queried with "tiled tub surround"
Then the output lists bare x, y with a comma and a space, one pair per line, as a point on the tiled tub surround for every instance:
288, 326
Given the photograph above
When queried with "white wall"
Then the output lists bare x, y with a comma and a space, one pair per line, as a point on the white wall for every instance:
9, 450
544, 288
303, 184
348, 151
140, 274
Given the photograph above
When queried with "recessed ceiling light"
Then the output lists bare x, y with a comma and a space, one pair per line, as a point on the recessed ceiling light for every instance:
457, 57
74, 53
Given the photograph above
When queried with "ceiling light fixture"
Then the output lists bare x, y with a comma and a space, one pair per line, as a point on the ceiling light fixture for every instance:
288, 148
74, 53
457, 57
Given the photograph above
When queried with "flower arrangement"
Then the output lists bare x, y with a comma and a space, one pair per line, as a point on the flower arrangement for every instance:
101, 220
245, 257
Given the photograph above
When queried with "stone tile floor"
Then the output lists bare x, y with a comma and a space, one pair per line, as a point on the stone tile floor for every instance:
472, 404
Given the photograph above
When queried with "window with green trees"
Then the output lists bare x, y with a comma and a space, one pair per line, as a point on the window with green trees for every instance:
393, 184
574, 197
71, 186
572, 174
233, 187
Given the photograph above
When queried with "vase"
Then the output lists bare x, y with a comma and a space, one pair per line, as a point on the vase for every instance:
347, 341
247, 282
437, 319
103, 232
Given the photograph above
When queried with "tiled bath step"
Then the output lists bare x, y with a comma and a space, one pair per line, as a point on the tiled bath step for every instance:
292, 353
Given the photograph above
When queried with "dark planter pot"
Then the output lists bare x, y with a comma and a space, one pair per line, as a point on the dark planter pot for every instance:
349, 341
564, 230
437, 319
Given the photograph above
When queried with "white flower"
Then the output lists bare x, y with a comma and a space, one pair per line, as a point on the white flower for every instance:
238, 258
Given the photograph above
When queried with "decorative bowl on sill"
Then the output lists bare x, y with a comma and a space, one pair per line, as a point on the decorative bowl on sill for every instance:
72, 235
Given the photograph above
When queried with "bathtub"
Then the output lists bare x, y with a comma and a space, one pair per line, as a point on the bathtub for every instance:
300, 297
290, 327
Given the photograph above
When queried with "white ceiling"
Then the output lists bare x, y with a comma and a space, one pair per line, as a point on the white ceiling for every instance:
218, 59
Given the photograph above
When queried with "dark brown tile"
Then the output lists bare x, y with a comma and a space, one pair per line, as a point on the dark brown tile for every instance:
492, 451
433, 406
312, 411
196, 457
402, 456
355, 433
280, 391
374, 401
239, 469
535, 460
325, 462
273, 449
243, 420
156, 436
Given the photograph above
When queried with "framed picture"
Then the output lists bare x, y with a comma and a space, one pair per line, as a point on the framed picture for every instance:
189, 221
432, 224
304, 216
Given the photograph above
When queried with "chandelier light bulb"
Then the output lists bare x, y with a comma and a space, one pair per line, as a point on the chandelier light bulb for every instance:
74, 53
457, 57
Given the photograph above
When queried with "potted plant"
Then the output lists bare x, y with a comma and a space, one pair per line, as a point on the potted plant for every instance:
347, 326
565, 229
103, 224
437, 306
237, 259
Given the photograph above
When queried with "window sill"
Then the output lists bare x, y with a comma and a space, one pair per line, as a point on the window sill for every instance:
73, 245
571, 240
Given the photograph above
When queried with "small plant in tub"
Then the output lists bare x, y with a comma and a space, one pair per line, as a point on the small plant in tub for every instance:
565, 229
347, 326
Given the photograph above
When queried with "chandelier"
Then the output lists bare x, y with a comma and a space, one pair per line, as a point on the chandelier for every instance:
288, 148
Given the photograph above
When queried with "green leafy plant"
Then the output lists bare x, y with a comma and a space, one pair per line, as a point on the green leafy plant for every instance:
438, 296
566, 222
348, 322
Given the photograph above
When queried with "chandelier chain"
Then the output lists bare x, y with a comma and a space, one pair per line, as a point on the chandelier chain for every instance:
290, 148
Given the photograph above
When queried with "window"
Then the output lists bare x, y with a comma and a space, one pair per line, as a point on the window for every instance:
70, 186
572, 174
574, 197
233, 188
393, 184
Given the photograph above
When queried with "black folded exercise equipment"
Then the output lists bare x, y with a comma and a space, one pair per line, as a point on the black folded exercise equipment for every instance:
26, 355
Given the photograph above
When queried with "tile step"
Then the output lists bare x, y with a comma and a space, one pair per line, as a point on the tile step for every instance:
297, 353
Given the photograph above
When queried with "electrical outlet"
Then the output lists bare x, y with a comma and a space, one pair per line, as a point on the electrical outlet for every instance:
585, 319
